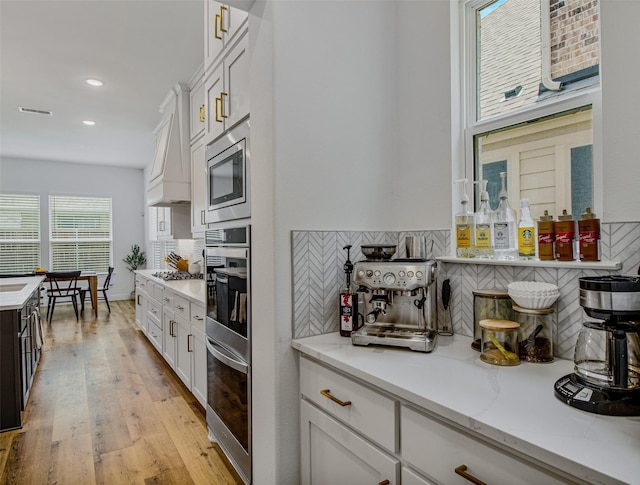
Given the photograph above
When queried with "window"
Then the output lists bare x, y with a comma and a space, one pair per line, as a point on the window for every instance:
19, 233
81, 233
532, 96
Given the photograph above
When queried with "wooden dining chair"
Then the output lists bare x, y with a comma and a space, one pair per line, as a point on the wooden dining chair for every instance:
103, 290
62, 285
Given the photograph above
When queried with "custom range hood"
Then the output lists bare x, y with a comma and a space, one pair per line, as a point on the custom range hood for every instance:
170, 174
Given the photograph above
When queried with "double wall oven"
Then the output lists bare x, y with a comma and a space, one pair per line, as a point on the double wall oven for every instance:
228, 325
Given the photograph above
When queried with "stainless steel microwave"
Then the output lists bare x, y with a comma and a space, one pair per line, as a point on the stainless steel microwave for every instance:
229, 176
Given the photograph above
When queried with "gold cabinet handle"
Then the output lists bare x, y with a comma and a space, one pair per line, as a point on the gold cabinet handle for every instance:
222, 95
327, 393
384, 482
462, 471
202, 114
218, 102
217, 22
189, 348
222, 29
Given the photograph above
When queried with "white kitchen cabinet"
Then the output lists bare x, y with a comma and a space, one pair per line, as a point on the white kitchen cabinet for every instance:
169, 336
172, 222
198, 189
198, 354
141, 308
196, 107
221, 27
333, 453
183, 351
437, 449
227, 91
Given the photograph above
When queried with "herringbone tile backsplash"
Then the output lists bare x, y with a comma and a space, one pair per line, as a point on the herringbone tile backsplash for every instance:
318, 258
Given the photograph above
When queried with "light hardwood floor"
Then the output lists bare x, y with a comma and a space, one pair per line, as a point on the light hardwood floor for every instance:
106, 409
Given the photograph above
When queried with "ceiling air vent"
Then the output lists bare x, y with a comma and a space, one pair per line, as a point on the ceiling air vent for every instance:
35, 111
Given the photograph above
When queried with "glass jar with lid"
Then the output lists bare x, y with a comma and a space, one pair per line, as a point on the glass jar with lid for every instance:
493, 303
499, 342
535, 334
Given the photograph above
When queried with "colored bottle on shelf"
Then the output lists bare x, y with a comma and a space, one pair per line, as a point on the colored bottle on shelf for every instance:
565, 229
483, 218
505, 245
526, 232
546, 238
464, 226
589, 236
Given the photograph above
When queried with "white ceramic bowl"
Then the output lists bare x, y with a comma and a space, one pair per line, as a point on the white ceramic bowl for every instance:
534, 295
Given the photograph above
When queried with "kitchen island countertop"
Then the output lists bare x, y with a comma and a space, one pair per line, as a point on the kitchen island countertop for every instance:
513, 406
14, 292
193, 290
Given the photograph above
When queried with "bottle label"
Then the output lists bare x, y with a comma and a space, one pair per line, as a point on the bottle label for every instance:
501, 235
589, 237
564, 237
483, 236
526, 244
463, 235
547, 238
346, 312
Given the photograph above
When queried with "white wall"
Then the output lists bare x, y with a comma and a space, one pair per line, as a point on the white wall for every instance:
620, 109
121, 184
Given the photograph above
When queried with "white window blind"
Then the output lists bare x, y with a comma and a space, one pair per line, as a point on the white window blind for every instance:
19, 233
80, 233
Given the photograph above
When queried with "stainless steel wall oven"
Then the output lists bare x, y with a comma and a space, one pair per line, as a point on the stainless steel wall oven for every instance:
228, 324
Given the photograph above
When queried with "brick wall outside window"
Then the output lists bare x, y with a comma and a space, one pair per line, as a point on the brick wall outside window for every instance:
574, 36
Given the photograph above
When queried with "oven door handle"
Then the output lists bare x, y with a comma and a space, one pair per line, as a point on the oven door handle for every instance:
226, 358
226, 252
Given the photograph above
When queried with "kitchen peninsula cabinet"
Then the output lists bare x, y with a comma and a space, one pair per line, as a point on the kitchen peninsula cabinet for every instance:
450, 414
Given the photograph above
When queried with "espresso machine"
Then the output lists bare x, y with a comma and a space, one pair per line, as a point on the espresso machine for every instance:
606, 377
398, 303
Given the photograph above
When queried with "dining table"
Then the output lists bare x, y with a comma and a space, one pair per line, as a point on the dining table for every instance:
92, 278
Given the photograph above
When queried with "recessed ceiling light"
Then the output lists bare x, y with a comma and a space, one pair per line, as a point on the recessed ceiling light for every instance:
94, 82
89, 122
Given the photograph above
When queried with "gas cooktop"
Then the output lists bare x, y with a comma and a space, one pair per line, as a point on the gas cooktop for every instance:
177, 275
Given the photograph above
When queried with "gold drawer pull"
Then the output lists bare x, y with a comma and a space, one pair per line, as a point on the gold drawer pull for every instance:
327, 393
462, 471
384, 482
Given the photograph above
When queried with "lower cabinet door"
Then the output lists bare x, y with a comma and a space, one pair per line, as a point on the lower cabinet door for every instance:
169, 335
183, 351
332, 453
199, 363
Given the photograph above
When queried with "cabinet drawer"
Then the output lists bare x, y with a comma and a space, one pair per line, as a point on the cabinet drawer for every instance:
369, 412
181, 307
141, 282
197, 316
154, 332
168, 297
154, 309
154, 290
437, 449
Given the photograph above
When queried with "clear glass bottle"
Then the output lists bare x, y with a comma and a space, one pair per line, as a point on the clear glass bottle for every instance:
464, 226
526, 232
483, 219
505, 244
500, 342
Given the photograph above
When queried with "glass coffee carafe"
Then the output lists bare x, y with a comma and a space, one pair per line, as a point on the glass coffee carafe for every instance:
607, 355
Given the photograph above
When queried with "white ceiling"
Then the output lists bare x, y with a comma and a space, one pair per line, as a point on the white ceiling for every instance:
138, 48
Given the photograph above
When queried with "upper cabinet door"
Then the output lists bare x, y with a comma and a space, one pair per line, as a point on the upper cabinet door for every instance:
236, 82
197, 110
222, 24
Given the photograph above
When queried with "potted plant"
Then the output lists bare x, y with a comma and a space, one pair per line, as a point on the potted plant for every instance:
135, 259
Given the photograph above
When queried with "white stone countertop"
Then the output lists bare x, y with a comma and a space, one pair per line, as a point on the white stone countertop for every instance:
192, 290
514, 406
14, 292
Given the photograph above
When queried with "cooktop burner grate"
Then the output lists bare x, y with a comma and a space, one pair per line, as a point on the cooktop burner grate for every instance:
178, 275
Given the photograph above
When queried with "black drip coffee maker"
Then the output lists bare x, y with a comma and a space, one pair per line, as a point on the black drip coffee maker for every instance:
606, 377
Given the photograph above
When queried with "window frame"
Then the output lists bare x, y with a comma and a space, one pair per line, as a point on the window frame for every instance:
470, 126
37, 198
53, 241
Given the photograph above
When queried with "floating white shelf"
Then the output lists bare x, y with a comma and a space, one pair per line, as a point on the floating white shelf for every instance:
611, 265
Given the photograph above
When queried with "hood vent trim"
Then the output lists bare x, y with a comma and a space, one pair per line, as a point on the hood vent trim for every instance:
170, 171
